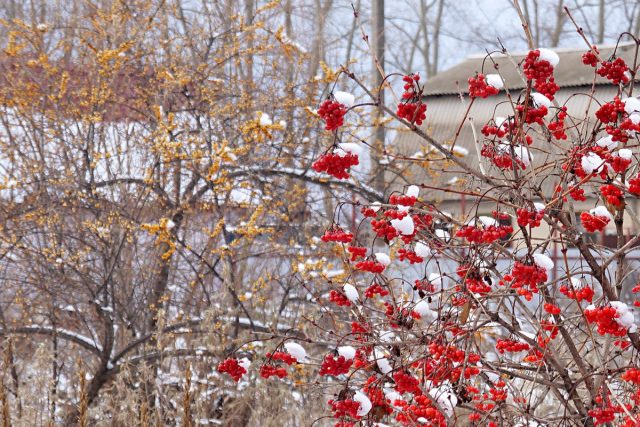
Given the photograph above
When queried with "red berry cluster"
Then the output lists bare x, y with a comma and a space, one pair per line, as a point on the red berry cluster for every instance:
337, 234
412, 108
541, 71
632, 375
477, 285
593, 223
591, 58
524, 275
335, 164
619, 133
345, 408
484, 235
619, 164
370, 266
614, 70
410, 256
357, 252
233, 368
368, 212
282, 356
604, 415
527, 217
488, 130
339, 298
605, 318
511, 346
406, 383
413, 112
534, 115
557, 127
335, 366
609, 112
577, 194
374, 289
551, 309
548, 88
333, 114
583, 294
267, 371
478, 87
634, 185
402, 200
383, 228
420, 412
612, 195
411, 87
501, 160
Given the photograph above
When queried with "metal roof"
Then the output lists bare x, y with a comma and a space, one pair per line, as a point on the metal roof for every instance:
570, 71
444, 114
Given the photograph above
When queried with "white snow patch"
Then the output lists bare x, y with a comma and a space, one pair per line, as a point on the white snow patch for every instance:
549, 55
631, 105
347, 352
523, 154
495, 80
245, 363
607, 142
345, 98
422, 250
543, 261
382, 361
488, 221
265, 119
413, 191
591, 163
625, 317
383, 258
365, 403
540, 100
425, 312
351, 148
625, 153
351, 292
296, 351
404, 226
445, 397
601, 211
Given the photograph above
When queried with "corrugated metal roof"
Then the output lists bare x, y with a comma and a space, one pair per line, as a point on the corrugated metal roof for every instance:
569, 72
444, 115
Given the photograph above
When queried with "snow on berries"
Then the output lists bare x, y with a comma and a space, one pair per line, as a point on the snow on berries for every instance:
332, 112
345, 98
613, 195
332, 365
233, 367
596, 219
405, 226
479, 87
592, 163
543, 261
351, 292
297, 351
615, 319
336, 164
538, 66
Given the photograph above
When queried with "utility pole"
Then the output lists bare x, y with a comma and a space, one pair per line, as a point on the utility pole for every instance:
378, 70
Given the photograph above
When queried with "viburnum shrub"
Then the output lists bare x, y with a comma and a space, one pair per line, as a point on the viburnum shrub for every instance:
508, 311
